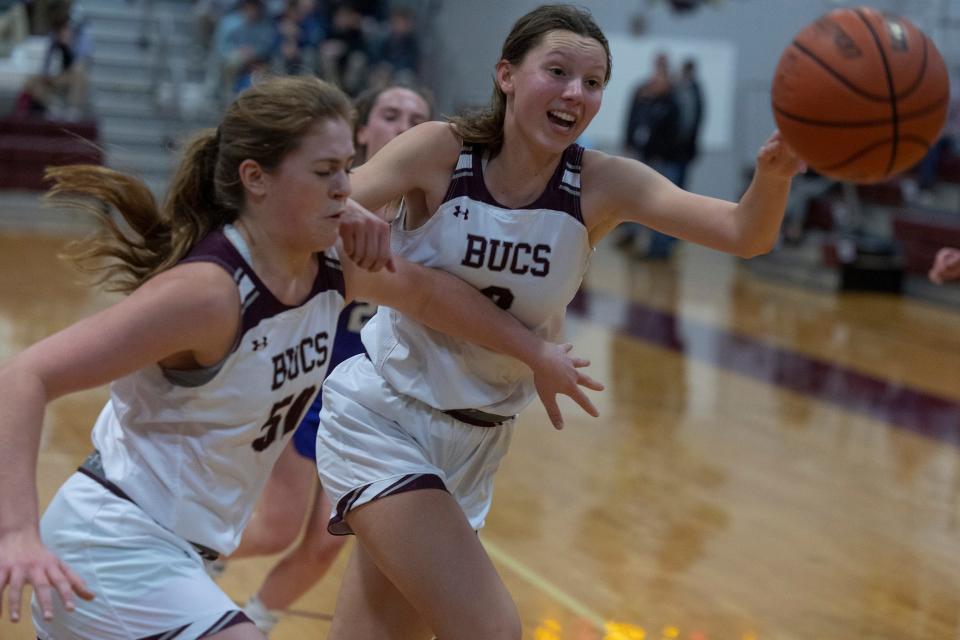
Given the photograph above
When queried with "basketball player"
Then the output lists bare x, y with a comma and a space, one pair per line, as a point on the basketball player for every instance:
214, 356
381, 115
411, 436
946, 266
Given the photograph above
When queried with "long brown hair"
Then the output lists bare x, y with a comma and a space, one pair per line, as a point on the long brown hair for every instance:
486, 125
264, 124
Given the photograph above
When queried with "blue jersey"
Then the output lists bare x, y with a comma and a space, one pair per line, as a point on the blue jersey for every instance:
346, 344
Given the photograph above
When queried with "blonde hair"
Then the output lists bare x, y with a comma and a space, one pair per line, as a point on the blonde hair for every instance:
264, 124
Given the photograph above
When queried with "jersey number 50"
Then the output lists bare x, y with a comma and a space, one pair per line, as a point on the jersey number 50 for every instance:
290, 420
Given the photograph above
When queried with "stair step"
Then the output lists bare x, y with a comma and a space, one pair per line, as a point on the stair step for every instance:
142, 162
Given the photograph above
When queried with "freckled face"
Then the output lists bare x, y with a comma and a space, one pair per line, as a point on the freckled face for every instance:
554, 93
395, 110
307, 192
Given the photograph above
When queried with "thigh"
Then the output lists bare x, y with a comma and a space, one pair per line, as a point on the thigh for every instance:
147, 581
423, 544
369, 606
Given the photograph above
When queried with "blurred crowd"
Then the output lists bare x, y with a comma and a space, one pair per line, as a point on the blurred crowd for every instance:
60, 89
353, 43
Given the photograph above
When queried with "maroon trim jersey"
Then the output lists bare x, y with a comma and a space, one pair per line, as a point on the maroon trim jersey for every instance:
528, 260
194, 448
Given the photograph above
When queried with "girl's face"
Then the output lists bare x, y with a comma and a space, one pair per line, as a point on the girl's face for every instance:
394, 111
306, 194
554, 93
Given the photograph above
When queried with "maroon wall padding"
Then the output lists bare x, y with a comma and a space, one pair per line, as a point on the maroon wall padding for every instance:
29, 145
923, 233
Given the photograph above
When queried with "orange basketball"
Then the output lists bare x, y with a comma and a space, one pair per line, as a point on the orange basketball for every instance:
860, 94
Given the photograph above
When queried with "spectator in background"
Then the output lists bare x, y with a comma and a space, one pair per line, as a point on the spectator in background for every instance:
209, 13
14, 25
689, 98
61, 90
946, 266
397, 55
243, 39
651, 136
343, 56
300, 30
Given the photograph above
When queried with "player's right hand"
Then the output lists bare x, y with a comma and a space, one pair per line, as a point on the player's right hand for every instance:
25, 560
946, 266
365, 238
558, 372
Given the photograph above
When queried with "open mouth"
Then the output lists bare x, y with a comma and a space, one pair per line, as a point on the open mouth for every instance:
562, 119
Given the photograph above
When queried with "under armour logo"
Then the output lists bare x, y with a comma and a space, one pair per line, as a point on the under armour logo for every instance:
260, 344
457, 211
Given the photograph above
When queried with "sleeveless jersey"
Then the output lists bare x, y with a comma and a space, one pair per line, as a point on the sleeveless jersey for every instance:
194, 448
529, 261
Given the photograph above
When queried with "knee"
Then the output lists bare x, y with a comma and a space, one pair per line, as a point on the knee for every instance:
321, 547
275, 538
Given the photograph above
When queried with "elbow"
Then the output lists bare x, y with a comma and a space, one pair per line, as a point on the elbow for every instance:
755, 248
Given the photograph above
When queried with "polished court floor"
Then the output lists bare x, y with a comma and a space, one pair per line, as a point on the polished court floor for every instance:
771, 463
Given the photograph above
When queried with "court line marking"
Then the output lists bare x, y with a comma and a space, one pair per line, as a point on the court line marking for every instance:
544, 585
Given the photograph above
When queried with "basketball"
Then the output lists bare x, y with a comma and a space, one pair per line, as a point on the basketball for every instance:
860, 94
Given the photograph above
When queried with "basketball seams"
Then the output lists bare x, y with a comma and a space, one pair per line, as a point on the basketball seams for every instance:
894, 119
873, 147
917, 113
923, 71
849, 85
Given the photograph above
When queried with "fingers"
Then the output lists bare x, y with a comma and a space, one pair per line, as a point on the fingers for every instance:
77, 584
586, 381
553, 411
347, 239
14, 593
581, 399
383, 249
371, 249
42, 590
3, 583
368, 245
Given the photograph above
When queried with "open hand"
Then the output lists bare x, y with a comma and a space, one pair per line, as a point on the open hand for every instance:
24, 560
558, 372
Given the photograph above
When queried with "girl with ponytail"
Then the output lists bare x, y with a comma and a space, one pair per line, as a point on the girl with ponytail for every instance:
235, 285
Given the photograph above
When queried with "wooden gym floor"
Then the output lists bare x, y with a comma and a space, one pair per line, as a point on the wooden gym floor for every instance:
771, 463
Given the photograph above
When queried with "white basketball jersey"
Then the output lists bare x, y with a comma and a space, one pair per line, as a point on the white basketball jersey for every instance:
529, 261
194, 448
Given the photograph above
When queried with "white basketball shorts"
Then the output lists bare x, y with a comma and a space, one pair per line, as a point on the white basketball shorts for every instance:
374, 442
149, 582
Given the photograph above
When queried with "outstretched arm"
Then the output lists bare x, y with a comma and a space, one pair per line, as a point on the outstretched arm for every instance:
619, 190
190, 312
447, 304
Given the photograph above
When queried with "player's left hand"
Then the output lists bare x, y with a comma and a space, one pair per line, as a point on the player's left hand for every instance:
366, 238
558, 372
777, 160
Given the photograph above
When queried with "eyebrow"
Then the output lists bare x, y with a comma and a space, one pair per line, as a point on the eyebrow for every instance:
339, 160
